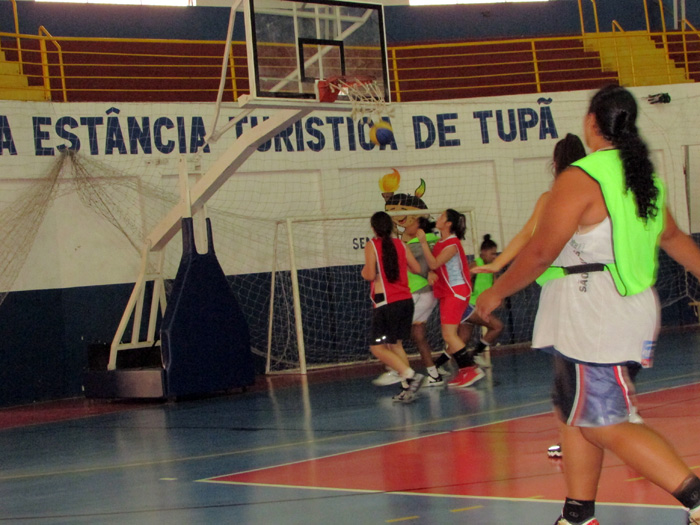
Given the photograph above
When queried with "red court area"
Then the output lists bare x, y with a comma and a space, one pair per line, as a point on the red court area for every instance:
502, 460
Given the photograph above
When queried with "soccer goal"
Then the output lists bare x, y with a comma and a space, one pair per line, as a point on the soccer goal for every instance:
319, 304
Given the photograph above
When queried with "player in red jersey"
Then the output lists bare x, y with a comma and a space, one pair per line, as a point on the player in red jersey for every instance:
386, 266
452, 287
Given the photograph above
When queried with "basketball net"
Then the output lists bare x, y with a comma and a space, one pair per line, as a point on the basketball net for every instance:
364, 93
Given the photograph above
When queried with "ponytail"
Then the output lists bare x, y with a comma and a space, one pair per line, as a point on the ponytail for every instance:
383, 227
615, 112
459, 222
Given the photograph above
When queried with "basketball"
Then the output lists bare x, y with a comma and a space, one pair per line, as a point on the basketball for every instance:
381, 133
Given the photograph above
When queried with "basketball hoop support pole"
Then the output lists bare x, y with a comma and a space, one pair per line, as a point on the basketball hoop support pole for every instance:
193, 199
137, 299
135, 306
224, 65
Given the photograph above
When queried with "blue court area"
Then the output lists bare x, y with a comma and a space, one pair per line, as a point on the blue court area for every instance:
333, 448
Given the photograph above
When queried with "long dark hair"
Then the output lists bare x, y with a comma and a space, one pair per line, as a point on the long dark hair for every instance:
566, 151
615, 112
383, 227
459, 222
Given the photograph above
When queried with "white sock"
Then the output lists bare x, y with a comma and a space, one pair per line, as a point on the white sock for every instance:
432, 371
408, 373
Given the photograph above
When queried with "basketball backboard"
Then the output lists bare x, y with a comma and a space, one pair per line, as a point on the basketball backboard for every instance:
293, 44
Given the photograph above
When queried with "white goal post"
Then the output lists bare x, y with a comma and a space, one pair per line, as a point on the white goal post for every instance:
319, 304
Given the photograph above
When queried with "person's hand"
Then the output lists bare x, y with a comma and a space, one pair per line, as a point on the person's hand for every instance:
432, 278
486, 268
420, 234
487, 302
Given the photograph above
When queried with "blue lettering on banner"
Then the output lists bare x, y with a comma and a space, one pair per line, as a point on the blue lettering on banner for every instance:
443, 129
312, 125
40, 136
6, 141
513, 130
91, 123
115, 137
359, 243
158, 125
427, 139
62, 132
113, 134
425, 132
139, 135
519, 121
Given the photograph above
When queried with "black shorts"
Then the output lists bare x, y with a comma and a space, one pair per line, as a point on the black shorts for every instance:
391, 323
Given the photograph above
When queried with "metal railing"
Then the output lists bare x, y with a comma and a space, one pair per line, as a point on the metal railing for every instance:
687, 61
45, 64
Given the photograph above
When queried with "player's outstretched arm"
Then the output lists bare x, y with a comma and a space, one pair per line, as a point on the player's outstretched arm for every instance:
680, 246
518, 242
434, 262
575, 200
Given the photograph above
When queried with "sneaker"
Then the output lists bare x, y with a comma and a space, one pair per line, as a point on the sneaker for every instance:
554, 451
404, 396
390, 377
435, 381
466, 376
481, 361
694, 520
415, 383
562, 521
444, 370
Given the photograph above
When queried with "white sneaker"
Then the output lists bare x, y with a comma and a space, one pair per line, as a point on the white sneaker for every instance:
389, 377
435, 381
405, 396
447, 369
694, 520
481, 361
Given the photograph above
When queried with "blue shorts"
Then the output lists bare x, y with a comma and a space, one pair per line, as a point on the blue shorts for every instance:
592, 395
467, 313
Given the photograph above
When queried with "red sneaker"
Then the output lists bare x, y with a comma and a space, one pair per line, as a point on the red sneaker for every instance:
591, 521
466, 376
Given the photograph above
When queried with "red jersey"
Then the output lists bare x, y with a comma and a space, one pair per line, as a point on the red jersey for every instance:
453, 276
398, 290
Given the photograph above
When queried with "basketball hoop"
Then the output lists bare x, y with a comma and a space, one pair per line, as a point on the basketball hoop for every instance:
363, 92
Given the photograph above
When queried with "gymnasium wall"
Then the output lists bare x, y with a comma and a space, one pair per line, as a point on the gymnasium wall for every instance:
491, 155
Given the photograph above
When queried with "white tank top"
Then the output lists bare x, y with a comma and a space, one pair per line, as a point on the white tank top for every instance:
584, 317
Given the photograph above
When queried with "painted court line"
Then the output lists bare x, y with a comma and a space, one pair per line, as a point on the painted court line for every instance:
505, 460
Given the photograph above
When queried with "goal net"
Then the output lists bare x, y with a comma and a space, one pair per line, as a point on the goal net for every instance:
321, 308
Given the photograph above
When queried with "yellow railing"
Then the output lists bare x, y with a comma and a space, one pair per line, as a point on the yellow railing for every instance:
595, 17
19, 47
686, 60
45, 65
80, 69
